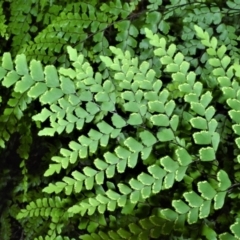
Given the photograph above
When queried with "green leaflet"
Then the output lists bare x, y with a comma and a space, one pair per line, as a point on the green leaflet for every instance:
23, 85
183, 157
203, 138
133, 145
51, 96
193, 199
235, 228
10, 79
169, 164
180, 206
7, 61
206, 190
72, 53
224, 181
21, 65
147, 138
205, 209
67, 85
160, 120
118, 121
165, 135
51, 76
37, 90
207, 154
199, 123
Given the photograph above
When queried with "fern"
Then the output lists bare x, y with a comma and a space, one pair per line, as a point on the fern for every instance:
119, 120
5, 226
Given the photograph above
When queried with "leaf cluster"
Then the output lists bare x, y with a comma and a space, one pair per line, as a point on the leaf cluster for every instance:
119, 119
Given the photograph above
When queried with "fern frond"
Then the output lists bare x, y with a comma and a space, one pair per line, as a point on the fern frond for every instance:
6, 226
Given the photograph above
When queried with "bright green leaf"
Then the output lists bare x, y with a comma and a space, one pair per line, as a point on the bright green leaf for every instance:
133, 145
38, 89
7, 62
165, 135
219, 200
23, 85
135, 119
205, 209
183, 157
146, 179
180, 206
206, 190
199, 123
224, 181
104, 127
51, 76
72, 53
169, 180
21, 64
10, 79
198, 108
51, 96
36, 70
169, 164
207, 154
67, 85
203, 138
169, 107
193, 215
135, 184
206, 98
148, 139
193, 199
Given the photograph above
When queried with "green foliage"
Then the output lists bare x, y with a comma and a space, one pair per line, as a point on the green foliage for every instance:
119, 120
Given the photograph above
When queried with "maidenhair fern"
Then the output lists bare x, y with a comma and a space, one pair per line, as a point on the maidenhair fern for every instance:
119, 120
